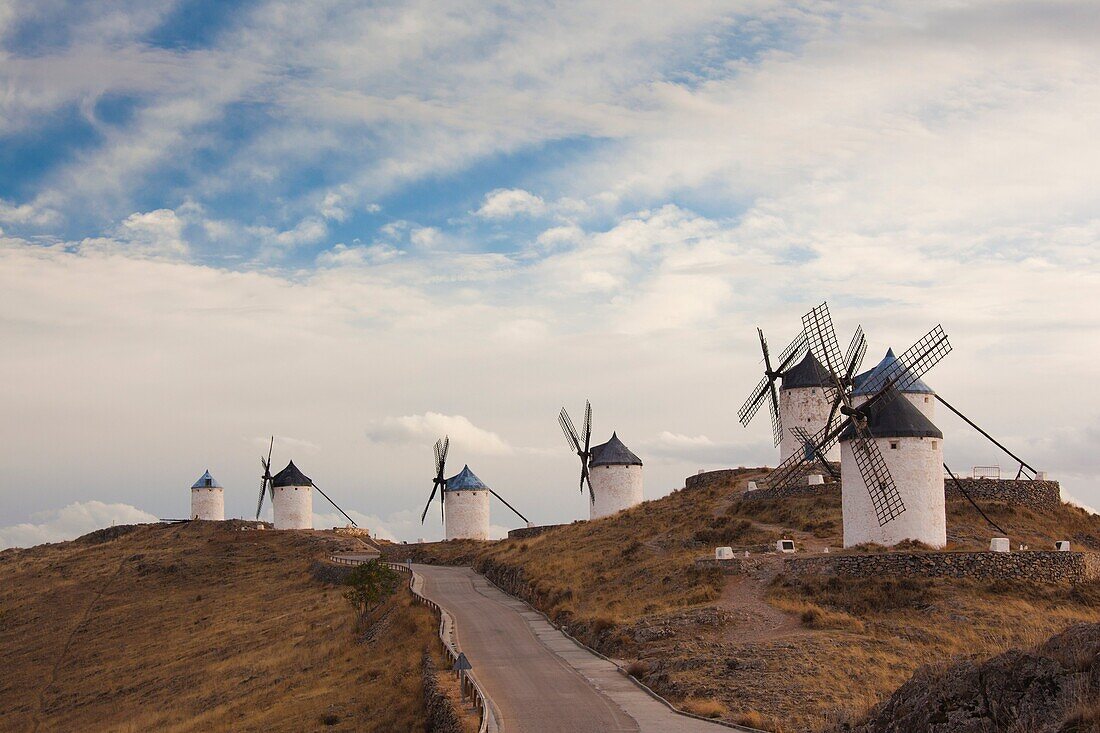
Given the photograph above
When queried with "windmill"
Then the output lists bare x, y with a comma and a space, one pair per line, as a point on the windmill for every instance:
581, 448
267, 484
469, 516
766, 387
910, 366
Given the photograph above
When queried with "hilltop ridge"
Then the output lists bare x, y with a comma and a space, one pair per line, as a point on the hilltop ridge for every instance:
199, 626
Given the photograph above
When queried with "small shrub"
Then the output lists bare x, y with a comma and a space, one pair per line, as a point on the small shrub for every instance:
369, 585
601, 624
637, 669
330, 719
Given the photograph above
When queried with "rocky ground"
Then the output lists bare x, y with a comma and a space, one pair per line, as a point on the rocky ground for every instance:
1051, 688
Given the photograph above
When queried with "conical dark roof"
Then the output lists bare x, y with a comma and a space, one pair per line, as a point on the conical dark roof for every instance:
466, 480
861, 381
291, 476
206, 481
897, 418
807, 373
613, 453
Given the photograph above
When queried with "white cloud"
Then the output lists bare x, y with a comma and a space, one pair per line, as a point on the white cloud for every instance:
332, 207
506, 203
74, 520
26, 214
430, 426
156, 233
425, 237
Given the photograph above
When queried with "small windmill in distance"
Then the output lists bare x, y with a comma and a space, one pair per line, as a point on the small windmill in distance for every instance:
463, 499
581, 448
293, 504
617, 471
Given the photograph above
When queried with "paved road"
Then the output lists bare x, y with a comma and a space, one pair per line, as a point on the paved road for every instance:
539, 680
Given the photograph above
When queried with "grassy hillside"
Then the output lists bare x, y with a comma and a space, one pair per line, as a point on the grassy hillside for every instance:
194, 627
763, 649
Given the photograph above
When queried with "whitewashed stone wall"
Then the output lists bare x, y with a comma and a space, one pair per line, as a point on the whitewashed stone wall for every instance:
616, 488
805, 407
293, 507
208, 503
467, 514
917, 467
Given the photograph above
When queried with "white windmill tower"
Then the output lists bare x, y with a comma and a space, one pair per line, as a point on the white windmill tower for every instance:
616, 476
291, 493
912, 450
467, 507
611, 471
207, 499
804, 402
891, 454
292, 498
463, 499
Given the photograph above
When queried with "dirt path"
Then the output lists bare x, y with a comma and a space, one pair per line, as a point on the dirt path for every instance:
755, 619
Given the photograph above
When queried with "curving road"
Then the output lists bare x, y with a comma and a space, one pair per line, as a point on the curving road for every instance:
538, 679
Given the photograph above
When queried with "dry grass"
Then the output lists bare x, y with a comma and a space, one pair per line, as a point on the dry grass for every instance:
198, 627
704, 708
754, 719
814, 616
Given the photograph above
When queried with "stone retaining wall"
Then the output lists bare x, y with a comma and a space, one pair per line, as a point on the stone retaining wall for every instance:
1037, 494
727, 478
734, 566
441, 713
1041, 494
1034, 566
831, 488
528, 532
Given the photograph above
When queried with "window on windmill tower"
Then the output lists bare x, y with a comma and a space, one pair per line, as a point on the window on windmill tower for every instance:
927, 399
893, 445
933, 445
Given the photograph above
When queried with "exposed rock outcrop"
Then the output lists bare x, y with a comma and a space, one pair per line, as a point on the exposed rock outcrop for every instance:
1054, 688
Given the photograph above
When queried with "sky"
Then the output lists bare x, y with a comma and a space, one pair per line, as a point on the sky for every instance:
361, 226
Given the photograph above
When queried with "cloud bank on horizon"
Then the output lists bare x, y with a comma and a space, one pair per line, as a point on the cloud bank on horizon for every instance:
359, 226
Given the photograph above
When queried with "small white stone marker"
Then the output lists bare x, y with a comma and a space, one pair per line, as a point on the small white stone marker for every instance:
1062, 545
815, 479
1000, 544
752, 486
723, 553
786, 546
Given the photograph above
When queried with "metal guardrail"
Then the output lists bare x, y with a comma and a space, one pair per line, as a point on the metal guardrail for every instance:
993, 472
470, 686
